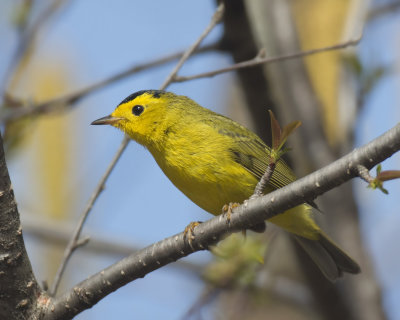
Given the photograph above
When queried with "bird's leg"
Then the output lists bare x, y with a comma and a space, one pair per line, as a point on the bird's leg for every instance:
188, 233
227, 210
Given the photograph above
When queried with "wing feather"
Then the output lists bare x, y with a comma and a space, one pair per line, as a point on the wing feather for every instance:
252, 153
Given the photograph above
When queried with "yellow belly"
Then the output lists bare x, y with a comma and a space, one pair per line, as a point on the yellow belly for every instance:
212, 182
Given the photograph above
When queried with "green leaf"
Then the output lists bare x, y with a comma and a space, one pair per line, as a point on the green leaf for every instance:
377, 184
237, 261
383, 190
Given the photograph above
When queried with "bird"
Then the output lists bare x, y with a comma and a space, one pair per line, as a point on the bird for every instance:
215, 161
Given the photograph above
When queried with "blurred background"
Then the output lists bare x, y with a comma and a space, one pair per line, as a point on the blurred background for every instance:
53, 48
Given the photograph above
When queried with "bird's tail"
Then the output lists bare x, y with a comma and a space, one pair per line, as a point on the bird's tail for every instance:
330, 259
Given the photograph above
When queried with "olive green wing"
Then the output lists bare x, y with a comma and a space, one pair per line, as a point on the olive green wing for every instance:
252, 153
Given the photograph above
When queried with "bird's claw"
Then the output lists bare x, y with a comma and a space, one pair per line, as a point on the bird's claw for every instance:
227, 210
188, 233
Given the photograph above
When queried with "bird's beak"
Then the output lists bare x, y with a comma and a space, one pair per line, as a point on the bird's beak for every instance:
107, 120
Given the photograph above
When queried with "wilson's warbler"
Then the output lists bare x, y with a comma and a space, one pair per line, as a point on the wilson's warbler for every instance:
215, 161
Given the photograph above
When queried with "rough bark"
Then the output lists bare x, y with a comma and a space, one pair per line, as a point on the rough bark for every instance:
18, 287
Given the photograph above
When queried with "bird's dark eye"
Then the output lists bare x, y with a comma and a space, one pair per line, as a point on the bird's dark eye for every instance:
137, 110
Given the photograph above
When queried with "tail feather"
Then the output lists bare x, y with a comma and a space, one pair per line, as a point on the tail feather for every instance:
342, 259
330, 259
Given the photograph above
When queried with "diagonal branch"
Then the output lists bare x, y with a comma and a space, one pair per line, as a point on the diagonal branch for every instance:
70, 100
90, 291
72, 244
260, 59
214, 21
75, 238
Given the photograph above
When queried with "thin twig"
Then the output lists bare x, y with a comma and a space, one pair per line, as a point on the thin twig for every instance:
71, 99
261, 60
364, 174
82, 242
214, 21
210, 294
260, 187
59, 234
72, 244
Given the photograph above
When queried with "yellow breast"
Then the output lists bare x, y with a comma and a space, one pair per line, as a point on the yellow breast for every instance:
204, 170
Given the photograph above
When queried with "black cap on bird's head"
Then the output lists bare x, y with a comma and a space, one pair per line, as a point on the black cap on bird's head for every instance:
141, 114
111, 120
153, 93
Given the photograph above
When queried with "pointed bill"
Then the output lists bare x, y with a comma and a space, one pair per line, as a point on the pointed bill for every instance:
107, 120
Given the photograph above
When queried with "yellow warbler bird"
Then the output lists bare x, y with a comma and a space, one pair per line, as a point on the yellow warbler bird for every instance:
215, 161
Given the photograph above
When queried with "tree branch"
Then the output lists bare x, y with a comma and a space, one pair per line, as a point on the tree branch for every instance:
72, 244
70, 100
214, 21
59, 234
252, 212
260, 59
364, 174
19, 288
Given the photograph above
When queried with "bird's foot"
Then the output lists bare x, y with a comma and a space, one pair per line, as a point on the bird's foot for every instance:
227, 210
188, 233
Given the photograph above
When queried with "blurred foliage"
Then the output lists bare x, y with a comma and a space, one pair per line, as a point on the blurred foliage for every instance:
46, 142
319, 24
21, 14
16, 132
237, 261
367, 77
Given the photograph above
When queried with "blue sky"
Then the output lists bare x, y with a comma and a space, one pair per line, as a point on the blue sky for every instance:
380, 213
99, 42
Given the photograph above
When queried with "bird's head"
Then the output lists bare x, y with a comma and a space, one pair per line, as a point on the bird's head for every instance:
140, 114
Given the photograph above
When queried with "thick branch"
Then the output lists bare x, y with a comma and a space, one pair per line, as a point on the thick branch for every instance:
18, 289
252, 212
